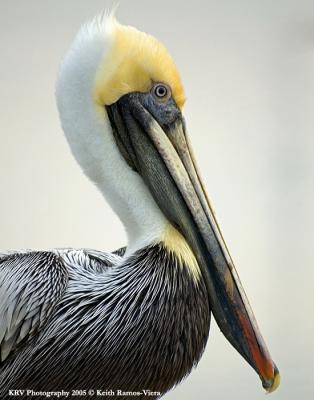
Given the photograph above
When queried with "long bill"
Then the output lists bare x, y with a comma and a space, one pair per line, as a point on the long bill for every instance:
161, 153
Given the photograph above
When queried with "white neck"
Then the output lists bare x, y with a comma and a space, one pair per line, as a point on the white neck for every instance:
90, 137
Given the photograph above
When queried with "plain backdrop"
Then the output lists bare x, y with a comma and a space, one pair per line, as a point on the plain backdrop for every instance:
248, 71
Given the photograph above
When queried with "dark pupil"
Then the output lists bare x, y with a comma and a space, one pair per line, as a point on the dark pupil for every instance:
161, 91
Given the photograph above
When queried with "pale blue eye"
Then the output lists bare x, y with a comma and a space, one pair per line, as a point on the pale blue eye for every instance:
161, 91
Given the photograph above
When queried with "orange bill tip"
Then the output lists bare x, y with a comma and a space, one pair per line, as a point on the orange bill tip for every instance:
272, 384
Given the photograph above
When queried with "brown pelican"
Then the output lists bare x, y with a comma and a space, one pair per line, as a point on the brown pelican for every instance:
136, 319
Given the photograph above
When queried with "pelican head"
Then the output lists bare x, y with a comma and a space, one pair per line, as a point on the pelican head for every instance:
120, 99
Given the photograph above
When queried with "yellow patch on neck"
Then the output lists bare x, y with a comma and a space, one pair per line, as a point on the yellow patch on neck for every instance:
134, 61
176, 244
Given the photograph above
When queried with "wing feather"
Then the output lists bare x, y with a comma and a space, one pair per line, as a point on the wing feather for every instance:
31, 285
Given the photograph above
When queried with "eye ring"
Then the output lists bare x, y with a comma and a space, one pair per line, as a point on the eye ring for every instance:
161, 91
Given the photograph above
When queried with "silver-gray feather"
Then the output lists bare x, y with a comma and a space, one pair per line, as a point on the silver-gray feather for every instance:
31, 285
86, 319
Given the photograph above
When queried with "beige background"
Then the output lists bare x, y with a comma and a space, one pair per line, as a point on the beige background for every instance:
248, 70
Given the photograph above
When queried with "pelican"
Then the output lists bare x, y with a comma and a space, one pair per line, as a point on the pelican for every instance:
136, 320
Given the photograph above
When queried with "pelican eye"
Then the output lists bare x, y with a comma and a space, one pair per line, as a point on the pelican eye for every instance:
161, 91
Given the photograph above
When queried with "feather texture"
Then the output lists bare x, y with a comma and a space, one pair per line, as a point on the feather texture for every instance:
31, 286
83, 318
